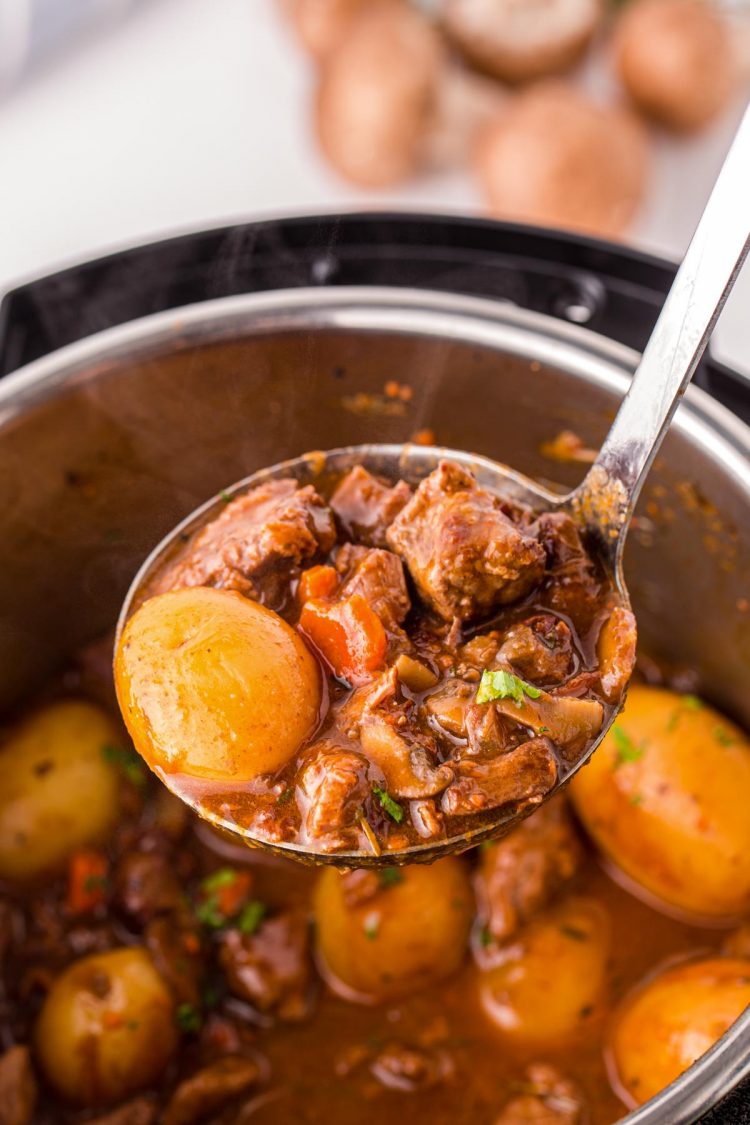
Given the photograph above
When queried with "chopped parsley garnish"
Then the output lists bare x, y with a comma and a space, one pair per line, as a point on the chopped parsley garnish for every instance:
285, 796
393, 808
126, 760
485, 937
543, 730
188, 1019
636, 798
390, 877
723, 737
692, 702
625, 749
224, 495
224, 895
208, 914
95, 883
250, 917
504, 685
224, 877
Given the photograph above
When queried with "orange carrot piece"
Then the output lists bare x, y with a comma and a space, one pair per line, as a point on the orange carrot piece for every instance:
87, 881
231, 896
317, 582
349, 635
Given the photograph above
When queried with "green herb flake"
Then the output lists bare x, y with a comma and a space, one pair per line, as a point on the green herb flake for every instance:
692, 702
574, 933
636, 799
390, 877
371, 926
625, 749
251, 916
188, 1019
674, 719
211, 995
209, 914
223, 877
543, 730
285, 796
224, 495
723, 737
393, 808
485, 937
132, 1025
504, 685
126, 760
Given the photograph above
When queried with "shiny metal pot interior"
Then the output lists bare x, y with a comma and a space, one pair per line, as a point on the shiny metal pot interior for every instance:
107, 443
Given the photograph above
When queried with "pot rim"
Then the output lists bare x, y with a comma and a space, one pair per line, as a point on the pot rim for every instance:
422, 312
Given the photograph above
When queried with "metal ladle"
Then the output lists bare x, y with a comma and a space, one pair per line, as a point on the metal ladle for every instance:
603, 503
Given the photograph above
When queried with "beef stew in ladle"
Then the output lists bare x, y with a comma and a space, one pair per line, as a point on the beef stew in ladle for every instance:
388, 652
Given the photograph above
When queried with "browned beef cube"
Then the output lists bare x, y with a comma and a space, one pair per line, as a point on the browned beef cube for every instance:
379, 577
257, 542
271, 968
465, 555
367, 507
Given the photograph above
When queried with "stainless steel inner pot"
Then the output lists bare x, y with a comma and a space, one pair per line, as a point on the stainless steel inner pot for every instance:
105, 444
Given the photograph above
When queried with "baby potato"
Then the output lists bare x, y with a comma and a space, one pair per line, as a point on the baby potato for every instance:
409, 928
666, 798
215, 686
551, 981
58, 793
107, 1028
673, 1019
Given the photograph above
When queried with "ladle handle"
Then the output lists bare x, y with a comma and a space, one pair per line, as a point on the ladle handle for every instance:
713, 260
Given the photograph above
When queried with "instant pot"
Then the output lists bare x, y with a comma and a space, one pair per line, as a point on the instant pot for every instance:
136, 386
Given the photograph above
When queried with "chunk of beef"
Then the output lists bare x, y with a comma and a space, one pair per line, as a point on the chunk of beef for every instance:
145, 884
271, 968
615, 650
334, 782
379, 577
549, 1099
398, 1066
141, 1111
175, 946
207, 1091
524, 774
539, 649
18, 1091
521, 873
573, 585
366, 507
463, 552
257, 543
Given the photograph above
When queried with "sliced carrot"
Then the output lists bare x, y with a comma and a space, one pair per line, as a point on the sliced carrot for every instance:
87, 881
232, 896
349, 635
317, 582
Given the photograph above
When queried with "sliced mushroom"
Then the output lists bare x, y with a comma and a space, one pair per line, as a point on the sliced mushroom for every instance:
408, 768
568, 722
449, 704
615, 650
517, 40
524, 774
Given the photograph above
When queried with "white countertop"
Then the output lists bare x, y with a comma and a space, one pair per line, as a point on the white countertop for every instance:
192, 113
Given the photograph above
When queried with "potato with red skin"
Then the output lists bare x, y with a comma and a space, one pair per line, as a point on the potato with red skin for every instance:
666, 797
215, 686
321, 25
58, 793
107, 1028
676, 60
671, 1020
412, 931
551, 980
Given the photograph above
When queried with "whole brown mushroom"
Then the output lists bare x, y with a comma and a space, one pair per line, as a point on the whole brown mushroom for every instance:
676, 60
554, 158
518, 40
321, 25
389, 101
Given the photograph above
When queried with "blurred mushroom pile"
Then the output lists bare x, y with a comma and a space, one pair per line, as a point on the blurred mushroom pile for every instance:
405, 86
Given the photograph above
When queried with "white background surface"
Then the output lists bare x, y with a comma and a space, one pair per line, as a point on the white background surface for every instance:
193, 112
